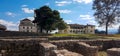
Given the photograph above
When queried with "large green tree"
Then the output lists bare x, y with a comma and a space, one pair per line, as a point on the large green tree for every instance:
107, 12
48, 19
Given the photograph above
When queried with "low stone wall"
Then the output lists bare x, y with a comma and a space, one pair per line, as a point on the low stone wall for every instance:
86, 49
78, 47
19, 47
36, 47
113, 52
102, 44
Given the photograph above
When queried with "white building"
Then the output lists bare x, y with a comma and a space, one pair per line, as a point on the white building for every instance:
26, 25
79, 29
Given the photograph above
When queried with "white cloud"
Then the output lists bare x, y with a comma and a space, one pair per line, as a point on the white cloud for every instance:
10, 25
62, 3
68, 21
92, 22
47, 4
86, 17
83, 1
31, 18
65, 11
10, 14
24, 5
27, 10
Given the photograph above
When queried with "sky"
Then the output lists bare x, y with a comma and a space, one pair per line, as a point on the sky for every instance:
72, 11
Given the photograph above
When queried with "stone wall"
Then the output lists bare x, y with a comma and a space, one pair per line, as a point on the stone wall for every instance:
103, 44
113, 52
78, 47
18, 33
43, 47
86, 49
19, 47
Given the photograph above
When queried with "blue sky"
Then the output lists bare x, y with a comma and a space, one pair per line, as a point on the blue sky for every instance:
72, 11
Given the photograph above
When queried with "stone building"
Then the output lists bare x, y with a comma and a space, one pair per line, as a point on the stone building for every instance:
26, 25
79, 29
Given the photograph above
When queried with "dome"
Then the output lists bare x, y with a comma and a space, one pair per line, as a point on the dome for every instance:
2, 27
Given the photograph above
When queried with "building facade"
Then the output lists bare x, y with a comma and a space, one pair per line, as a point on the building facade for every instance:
79, 29
26, 25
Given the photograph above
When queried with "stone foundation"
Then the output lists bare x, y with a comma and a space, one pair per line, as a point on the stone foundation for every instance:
43, 47
86, 49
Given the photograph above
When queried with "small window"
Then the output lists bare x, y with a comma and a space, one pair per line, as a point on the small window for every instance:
27, 30
91, 31
27, 27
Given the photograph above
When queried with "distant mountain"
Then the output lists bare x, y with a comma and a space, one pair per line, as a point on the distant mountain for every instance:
113, 31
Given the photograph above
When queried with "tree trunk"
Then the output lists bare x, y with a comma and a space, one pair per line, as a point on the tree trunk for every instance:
106, 29
47, 31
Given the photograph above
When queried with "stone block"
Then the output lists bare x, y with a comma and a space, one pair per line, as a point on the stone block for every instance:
46, 49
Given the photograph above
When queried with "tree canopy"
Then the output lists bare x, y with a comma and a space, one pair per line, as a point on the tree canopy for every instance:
107, 12
48, 19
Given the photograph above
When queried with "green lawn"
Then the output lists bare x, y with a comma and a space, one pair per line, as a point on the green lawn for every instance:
89, 36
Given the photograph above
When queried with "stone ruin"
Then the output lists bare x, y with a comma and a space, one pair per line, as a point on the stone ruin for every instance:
113, 52
43, 47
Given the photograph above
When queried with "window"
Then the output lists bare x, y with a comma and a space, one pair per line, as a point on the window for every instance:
27, 27
91, 31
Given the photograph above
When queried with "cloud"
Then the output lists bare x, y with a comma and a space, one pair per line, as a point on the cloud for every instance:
86, 17
62, 3
10, 25
93, 22
24, 5
31, 18
83, 1
47, 4
27, 10
68, 21
10, 14
65, 11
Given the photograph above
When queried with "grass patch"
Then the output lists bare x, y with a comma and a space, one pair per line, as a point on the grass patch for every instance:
86, 36
102, 53
77, 36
